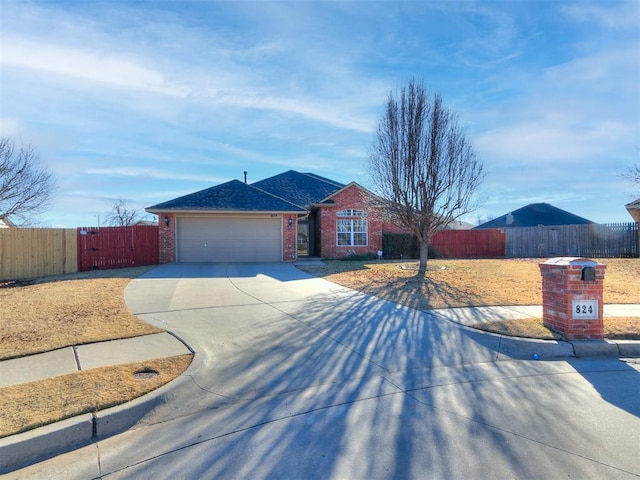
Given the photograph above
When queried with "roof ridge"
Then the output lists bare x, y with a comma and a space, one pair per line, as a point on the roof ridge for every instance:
321, 178
278, 197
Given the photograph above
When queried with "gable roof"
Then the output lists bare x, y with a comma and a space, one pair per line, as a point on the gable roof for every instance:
232, 196
303, 189
533, 215
5, 222
634, 209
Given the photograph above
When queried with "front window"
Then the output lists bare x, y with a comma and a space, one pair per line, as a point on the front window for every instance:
351, 230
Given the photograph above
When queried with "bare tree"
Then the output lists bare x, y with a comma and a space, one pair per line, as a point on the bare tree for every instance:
25, 187
423, 164
122, 215
633, 174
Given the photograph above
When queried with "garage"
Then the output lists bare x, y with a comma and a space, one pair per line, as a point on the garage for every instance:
229, 239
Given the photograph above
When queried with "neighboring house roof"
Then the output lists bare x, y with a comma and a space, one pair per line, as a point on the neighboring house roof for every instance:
5, 222
533, 215
146, 223
459, 225
634, 209
233, 196
303, 189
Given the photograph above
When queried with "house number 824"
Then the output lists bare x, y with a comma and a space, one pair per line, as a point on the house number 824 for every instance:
585, 309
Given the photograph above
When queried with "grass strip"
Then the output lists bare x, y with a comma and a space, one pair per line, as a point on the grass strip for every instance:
31, 405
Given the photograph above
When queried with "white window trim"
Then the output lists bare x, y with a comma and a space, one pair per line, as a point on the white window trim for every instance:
351, 212
353, 217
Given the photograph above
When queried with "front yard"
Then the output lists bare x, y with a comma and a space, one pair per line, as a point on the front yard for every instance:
472, 283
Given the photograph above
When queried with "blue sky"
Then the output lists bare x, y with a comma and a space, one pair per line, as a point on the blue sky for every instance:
147, 101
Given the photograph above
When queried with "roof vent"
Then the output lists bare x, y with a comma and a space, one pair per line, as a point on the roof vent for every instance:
245, 176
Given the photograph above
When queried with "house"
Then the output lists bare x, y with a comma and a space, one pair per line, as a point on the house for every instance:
634, 210
5, 222
272, 220
533, 215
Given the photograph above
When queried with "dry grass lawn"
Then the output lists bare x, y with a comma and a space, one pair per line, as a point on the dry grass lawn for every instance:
467, 283
31, 405
54, 312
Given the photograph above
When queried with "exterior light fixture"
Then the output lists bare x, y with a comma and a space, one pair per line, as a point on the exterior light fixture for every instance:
166, 220
290, 222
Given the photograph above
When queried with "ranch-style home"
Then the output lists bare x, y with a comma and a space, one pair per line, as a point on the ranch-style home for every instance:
273, 220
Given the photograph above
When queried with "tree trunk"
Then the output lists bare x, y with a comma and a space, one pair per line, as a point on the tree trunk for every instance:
424, 256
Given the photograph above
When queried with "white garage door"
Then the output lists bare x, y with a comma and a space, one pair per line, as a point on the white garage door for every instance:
202, 239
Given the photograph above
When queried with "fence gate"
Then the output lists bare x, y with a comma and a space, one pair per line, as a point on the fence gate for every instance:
117, 247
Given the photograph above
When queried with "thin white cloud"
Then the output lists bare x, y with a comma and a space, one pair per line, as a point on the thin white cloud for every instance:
546, 140
325, 112
91, 66
10, 127
611, 15
150, 173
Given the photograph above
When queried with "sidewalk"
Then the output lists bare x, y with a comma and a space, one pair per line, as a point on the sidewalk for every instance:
84, 357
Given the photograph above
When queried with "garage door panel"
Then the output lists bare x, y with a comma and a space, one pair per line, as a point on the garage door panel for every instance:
207, 239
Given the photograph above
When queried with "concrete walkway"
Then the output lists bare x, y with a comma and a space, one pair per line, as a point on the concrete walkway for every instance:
93, 355
262, 332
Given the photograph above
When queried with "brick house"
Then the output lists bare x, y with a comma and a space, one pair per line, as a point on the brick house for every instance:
276, 219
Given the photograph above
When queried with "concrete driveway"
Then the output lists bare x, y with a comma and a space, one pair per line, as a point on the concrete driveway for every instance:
296, 377
266, 329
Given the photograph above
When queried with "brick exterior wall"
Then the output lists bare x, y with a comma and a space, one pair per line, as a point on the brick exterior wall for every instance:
289, 238
355, 198
167, 238
561, 284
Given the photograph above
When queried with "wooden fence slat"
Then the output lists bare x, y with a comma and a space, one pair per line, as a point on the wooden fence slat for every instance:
117, 247
612, 240
486, 243
37, 252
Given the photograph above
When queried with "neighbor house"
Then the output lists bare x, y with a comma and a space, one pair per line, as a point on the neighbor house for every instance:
534, 215
634, 210
5, 222
275, 219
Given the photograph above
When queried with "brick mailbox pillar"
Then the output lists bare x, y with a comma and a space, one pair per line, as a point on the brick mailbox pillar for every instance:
572, 297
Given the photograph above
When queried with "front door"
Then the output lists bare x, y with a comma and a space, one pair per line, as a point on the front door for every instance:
303, 237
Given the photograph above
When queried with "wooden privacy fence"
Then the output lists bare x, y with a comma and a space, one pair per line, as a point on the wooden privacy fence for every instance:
612, 240
486, 243
489, 243
117, 247
37, 252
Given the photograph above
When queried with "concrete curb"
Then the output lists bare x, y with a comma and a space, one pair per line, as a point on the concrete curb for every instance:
526, 348
23, 449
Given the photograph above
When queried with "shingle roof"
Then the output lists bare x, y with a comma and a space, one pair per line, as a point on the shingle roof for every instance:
231, 196
303, 189
634, 209
533, 215
634, 204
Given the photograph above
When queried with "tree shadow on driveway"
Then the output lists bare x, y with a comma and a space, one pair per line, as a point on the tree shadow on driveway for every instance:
345, 385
